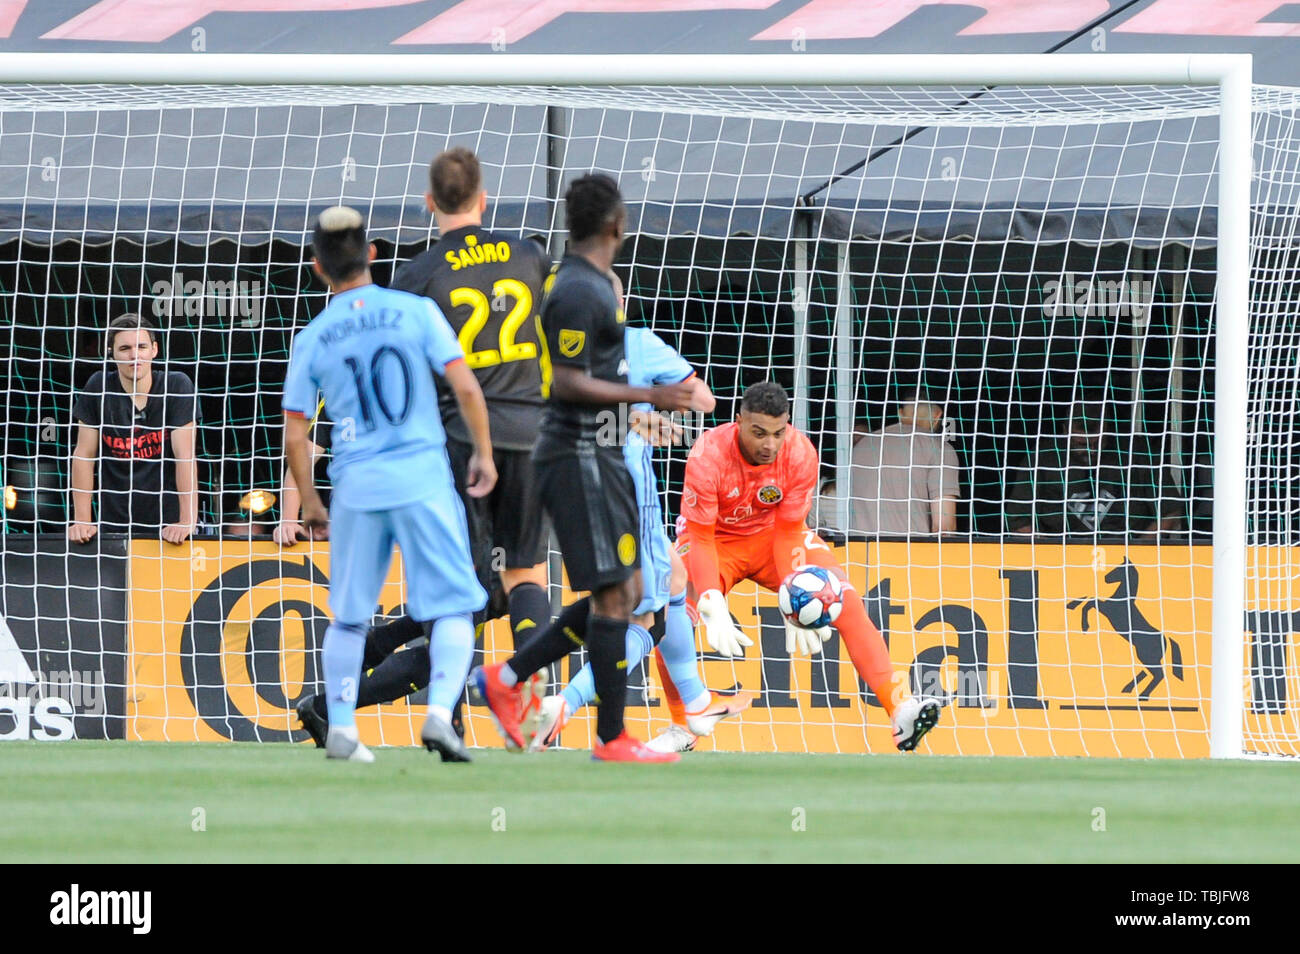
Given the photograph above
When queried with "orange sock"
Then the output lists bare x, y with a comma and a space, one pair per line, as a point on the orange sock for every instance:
676, 708
869, 653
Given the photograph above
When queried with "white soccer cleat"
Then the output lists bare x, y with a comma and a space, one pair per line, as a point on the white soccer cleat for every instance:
672, 739
912, 720
719, 708
543, 725
344, 744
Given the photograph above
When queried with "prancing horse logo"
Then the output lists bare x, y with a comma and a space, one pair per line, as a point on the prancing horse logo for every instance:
1121, 611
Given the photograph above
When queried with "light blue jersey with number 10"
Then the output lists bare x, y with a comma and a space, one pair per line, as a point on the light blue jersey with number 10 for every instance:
369, 353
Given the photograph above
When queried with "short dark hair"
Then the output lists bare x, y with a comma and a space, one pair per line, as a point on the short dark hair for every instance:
455, 179
590, 205
128, 322
1087, 417
339, 243
767, 398
917, 394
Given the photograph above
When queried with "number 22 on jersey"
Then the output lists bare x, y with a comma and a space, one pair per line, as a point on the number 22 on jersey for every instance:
481, 310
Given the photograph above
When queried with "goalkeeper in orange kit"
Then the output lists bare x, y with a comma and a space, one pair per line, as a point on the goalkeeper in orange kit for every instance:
749, 486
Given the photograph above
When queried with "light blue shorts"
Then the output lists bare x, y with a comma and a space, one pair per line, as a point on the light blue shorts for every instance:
440, 577
656, 564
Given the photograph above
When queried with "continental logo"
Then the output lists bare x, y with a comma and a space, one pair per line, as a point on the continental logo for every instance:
1126, 620
229, 641
771, 494
474, 254
208, 638
1032, 649
571, 342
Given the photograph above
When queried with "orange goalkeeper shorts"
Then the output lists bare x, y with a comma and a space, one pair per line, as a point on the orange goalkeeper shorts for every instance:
750, 557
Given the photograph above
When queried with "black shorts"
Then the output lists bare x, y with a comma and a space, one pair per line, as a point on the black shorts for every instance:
591, 500
509, 520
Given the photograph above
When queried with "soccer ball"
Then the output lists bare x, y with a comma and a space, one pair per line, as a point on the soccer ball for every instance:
811, 596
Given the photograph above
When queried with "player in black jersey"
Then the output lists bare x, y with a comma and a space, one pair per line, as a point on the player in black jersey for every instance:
489, 286
583, 482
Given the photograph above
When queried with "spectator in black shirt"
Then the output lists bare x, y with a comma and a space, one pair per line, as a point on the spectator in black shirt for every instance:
127, 419
1084, 486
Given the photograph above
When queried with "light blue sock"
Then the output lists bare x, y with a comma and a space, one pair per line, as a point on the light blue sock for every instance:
451, 650
345, 645
677, 649
582, 687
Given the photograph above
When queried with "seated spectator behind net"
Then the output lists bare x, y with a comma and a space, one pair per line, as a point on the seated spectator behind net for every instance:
1083, 486
289, 531
904, 479
825, 512
128, 417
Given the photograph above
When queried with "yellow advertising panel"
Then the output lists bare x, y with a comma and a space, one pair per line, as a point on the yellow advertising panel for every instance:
1033, 650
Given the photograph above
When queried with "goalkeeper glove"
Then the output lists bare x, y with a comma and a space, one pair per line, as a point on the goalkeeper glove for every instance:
806, 642
723, 636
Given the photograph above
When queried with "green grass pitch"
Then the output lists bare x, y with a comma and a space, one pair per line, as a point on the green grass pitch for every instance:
140, 802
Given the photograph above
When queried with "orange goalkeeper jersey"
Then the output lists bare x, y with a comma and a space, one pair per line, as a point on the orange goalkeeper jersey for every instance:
740, 498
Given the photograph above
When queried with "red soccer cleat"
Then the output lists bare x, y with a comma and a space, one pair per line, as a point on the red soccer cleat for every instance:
627, 749
504, 702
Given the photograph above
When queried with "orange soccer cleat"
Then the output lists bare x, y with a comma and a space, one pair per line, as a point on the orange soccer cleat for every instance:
542, 727
627, 749
720, 707
505, 703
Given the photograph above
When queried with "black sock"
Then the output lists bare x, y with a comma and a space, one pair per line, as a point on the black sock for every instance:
530, 611
659, 628
555, 642
607, 651
381, 641
395, 678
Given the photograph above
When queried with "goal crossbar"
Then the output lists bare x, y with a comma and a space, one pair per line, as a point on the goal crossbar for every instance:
254, 69
1230, 73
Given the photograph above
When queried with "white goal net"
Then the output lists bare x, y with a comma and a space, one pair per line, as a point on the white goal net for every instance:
1033, 269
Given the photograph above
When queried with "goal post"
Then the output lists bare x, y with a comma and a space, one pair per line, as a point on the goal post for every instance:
816, 272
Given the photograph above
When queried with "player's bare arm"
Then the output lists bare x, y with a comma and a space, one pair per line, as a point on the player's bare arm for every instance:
572, 384
187, 483
482, 475
297, 453
289, 531
82, 528
702, 399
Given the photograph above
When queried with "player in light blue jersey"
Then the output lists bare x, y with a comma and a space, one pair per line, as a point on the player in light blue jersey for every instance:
372, 354
651, 361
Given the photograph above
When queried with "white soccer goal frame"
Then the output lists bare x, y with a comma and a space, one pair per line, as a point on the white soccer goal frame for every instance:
1231, 73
